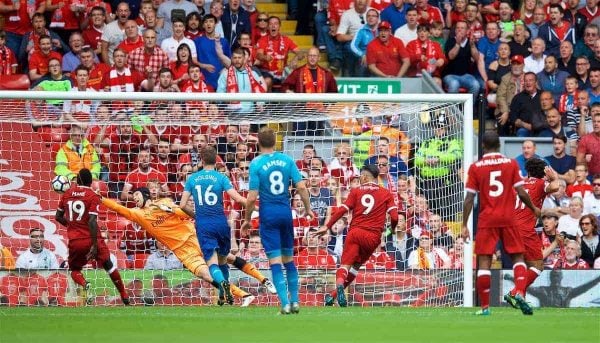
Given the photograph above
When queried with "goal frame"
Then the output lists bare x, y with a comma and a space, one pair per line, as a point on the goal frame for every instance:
469, 138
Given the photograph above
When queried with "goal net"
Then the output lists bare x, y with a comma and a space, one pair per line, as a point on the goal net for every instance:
420, 144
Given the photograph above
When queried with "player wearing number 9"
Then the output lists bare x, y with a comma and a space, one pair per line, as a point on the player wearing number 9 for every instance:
370, 204
77, 210
270, 177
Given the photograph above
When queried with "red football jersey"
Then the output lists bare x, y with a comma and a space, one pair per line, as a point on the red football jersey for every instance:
524, 218
493, 177
369, 204
78, 203
138, 178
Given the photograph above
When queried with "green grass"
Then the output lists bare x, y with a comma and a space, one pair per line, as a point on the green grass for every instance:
262, 324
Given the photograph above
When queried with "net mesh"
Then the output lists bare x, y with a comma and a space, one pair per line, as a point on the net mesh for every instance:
417, 146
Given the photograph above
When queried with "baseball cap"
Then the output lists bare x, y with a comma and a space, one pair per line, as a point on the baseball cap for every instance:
517, 59
550, 215
385, 25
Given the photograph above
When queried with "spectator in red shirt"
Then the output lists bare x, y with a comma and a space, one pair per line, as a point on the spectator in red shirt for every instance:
8, 61
386, 55
255, 253
123, 145
120, 78
425, 54
315, 256
30, 41
581, 187
97, 70
17, 20
93, 34
66, 17
38, 62
133, 39
139, 177
164, 162
177, 188
428, 14
182, 63
588, 150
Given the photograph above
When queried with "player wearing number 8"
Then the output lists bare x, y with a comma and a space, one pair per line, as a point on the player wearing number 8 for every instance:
493, 178
77, 210
270, 176
370, 204
214, 234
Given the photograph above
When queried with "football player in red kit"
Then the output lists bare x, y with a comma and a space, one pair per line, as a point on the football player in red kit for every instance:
77, 210
370, 204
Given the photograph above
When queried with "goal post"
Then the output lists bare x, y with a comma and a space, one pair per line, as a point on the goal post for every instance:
328, 122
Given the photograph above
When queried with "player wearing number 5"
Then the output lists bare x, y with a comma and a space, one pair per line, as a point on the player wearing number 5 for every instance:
370, 204
493, 177
213, 231
77, 210
270, 176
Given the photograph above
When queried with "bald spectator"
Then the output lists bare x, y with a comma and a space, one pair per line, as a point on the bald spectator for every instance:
528, 149
114, 33
148, 59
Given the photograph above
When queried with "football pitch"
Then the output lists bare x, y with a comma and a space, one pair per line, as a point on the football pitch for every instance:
313, 324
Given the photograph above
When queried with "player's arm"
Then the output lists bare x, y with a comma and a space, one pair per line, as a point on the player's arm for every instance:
393, 212
236, 196
467, 209
250, 206
339, 213
185, 197
59, 216
120, 209
552, 177
524, 196
303, 191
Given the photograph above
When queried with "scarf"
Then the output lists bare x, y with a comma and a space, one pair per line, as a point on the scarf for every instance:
423, 260
311, 86
279, 58
567, 102
427, 50
120, 83
232, 83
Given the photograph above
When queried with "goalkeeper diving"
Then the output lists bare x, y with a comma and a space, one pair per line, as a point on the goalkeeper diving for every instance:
171, 226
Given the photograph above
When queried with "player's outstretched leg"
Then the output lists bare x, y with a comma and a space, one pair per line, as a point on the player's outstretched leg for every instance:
251, 270
520, 276
117, 281
225, 271
344, 277
532, 275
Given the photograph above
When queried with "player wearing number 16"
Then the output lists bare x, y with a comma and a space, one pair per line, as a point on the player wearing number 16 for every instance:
270, 176
77, 210
213, 231
370, 204
493, 177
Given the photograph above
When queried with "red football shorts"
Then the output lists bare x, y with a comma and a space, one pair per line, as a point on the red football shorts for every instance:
533, 245
487, 238
79, 248
359, 246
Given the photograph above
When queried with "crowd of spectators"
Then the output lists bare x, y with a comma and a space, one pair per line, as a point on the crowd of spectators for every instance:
537, 63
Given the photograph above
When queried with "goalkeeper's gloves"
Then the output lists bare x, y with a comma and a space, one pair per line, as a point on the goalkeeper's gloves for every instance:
165, 208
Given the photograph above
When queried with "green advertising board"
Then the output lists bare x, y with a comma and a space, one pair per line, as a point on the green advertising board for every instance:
367, 85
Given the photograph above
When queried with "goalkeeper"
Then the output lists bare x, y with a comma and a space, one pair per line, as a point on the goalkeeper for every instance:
171, 227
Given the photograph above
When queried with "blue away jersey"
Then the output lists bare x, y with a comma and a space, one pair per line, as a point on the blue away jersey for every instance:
207, 187
270, 175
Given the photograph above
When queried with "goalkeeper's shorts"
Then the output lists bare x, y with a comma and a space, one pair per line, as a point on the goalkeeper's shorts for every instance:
190, 255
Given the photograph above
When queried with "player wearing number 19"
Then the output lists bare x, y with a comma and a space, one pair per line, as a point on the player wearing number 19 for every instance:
77, 210
493, 177
213, 231
370, 204
270, 176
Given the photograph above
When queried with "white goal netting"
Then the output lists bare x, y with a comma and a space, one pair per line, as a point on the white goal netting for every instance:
417, 141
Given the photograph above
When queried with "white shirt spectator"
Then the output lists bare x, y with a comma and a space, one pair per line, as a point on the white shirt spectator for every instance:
591, 204
351, 21
159, 261
42, 260
569, 225
435, 256
113, 35
532, 65
405, 34
170, 45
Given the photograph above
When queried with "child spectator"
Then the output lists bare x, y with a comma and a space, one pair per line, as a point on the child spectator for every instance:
568, 100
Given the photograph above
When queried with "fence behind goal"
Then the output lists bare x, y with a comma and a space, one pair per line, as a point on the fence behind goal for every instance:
34, 126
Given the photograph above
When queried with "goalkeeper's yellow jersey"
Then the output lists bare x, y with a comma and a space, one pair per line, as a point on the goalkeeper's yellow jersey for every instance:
171, 229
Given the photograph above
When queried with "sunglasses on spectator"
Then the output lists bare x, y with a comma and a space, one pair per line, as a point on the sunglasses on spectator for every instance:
382, 164
596, 184
243, 168
36, 236
362, 20
262, 19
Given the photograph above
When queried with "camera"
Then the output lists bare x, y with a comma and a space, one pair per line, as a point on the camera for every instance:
567, 236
